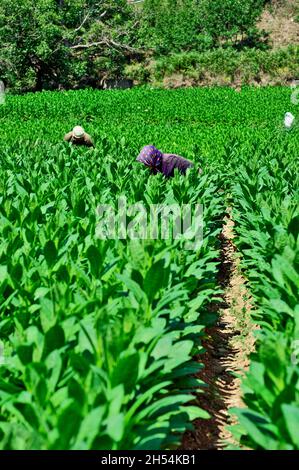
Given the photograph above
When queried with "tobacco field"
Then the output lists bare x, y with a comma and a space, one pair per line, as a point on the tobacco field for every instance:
100, 340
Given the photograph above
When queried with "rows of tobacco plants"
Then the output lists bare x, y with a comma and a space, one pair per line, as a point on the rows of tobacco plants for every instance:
265, 195
97, 337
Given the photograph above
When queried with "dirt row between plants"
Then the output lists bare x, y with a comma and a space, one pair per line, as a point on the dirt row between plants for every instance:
228, 345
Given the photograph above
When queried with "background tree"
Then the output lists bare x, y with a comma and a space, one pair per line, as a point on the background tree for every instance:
47, 43
29, 33
227, 19
183, 25
171, 25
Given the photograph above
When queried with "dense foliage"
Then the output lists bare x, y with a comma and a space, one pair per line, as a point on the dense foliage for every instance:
228, 19
50, 44
218, 67
172, 25
176, 25
98, 336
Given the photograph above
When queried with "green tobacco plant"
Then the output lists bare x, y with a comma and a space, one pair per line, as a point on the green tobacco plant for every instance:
99, 335
266, 210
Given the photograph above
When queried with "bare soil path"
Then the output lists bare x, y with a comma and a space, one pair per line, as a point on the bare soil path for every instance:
228, 345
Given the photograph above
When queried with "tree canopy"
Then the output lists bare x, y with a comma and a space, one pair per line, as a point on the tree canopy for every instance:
51, 42
68, 43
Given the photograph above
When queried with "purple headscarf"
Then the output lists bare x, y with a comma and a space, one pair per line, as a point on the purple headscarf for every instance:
150, 156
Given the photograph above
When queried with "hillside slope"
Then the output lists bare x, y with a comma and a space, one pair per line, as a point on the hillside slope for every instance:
280, 19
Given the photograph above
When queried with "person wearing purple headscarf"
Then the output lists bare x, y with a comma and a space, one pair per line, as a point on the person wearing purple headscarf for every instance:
164, 163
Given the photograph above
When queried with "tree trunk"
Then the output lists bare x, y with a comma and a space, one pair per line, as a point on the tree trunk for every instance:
39, 80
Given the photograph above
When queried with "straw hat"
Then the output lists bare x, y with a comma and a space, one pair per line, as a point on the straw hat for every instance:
78, 132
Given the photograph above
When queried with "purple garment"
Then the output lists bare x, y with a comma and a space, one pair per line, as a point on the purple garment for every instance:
163, 162
150, 156
170, 162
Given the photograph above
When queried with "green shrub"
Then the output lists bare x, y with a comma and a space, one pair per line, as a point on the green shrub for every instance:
176, 25
247, 65
225, 19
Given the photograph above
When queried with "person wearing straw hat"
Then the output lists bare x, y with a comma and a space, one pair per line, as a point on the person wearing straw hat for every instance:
78, 136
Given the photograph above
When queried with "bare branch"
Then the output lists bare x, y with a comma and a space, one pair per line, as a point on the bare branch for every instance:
83, 23
86, 18
124, 46
87, 46
109, 43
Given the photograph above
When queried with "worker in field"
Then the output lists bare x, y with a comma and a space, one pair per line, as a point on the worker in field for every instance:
78, 136
164, 163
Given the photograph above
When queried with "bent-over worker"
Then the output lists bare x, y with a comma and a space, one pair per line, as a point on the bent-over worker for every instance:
78, 136
164, 163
